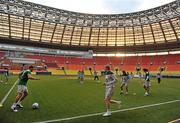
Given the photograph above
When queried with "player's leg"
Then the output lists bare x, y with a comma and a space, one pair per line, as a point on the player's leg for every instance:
108, 95
108, 103
25, 94
18, 97
146, 88
122, 85
116, 102
98, 78
126, 85
6, 79
81, 80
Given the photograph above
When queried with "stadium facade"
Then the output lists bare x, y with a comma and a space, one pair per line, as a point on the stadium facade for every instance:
30, 24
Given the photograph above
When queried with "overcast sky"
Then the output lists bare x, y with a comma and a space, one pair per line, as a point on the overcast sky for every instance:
102, 6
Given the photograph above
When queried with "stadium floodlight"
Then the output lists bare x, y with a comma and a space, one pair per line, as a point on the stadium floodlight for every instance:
162, 53
110, 54
100, 54
174, 52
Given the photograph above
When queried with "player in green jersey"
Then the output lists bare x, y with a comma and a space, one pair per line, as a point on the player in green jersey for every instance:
146, 81
24, 76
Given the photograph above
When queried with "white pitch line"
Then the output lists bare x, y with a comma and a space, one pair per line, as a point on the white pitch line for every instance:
122, 110
6, 96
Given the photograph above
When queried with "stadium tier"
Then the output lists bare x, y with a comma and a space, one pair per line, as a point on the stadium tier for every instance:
128, 63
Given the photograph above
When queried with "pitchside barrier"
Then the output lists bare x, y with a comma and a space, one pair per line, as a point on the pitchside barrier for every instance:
2, 71
163, 76
43, 73
171, 76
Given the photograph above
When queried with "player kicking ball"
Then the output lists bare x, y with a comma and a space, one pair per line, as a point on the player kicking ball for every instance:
110, 84
146, 81
24, 76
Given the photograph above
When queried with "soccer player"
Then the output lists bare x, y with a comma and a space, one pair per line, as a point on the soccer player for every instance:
146, 81
125, 80
78, 74
82, 77
110, 84
6, 74
158, 77
24, 76
96, 76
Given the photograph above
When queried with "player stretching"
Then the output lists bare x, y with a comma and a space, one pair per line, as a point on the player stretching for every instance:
146, 82
24, 76
110, 84
125, 80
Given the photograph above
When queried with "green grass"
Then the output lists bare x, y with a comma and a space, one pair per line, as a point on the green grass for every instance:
61, 97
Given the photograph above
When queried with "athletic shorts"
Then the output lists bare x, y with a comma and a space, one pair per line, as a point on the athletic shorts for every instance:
125, 83
22, 88
147, 84
109, 92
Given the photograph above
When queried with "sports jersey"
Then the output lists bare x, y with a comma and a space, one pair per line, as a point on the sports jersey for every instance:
158, 75
124, 77
110, 79
6, 73
147, 76
23, 78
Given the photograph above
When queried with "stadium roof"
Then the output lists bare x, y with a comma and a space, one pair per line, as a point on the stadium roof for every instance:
27, 23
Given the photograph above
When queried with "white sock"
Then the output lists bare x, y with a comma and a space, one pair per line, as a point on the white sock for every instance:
108, 110
19, 102
14, 104
115, 101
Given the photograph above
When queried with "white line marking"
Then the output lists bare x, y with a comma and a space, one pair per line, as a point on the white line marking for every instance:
174, 121
6, 96
122, 110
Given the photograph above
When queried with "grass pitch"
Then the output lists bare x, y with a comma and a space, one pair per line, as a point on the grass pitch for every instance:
64, 97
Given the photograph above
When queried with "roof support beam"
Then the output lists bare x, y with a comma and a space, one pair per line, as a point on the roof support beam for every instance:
116, 37
152, 33
124, 36
72, 33
53, 32
90, 33
42, 31
143, 34
107, 36
9, 22
173, 30
81, 36
23, 28
98, 37
29, 29
163, 32
63, 34
134, 36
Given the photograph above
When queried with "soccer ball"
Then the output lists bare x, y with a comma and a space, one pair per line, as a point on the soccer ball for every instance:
35, 106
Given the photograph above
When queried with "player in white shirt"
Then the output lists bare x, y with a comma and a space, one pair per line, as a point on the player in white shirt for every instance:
110, 84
